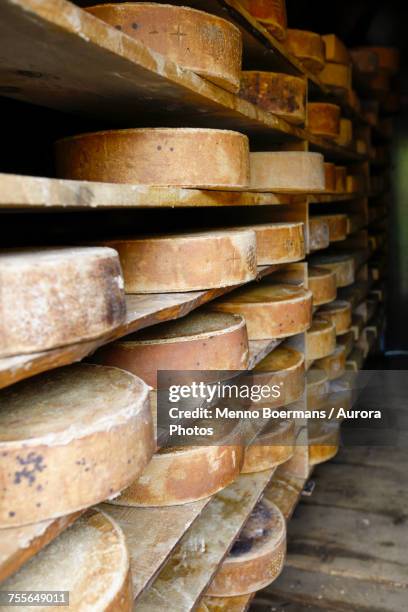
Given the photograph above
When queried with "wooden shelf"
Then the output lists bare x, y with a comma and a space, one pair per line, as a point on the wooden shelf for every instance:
328, 198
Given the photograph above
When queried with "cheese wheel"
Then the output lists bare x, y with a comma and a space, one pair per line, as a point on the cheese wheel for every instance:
323, 119
283, 95
320, 339
334, 365
388, 58
318, 234
199, 341
58, 435
284, 367
338, 226
277, 242
225, 604
335, 50
179, 157
339, 313
166, 263
324, 440
89, 559
257, 557
318, 389
288, 171
270, 311
345, 137
274, 445
322, 283
337, 76
341, 179
196, 41
271, 13
330, 177
347, 340
181, 475
56, 297
342, 265
308, 47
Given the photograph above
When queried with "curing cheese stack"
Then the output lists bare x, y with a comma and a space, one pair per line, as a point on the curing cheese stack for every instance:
196, 41
257, 556
281, 94
308, 47
58, 435
320, 339
55, 297
178, 157
318, 234
278, 242
288, 171
274, 445
342, 265
322, 284
323, 119
270, 310
166, 263
339, 313
199, 341
271, 13
334, 365
284, 367
324, 439
338, 226
89, 559
318, 389
335, 50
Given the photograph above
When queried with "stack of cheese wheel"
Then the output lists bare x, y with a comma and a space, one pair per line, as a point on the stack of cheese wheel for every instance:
322, 284
55, 297
334, 365
319, 237
338, 313
166, 263
277, 243
337, 76
257, 556
270, 310
196, 41
335, 50
338, 226
342, 265
58, 434
341, 179
330, 177
324, 439
320, 339
287, 171
323, 119
89, 560
212, 344
345, 137
272, 15
308, 47
283, 95
178, 157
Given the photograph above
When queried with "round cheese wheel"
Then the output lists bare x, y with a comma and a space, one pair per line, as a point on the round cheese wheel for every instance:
89, 559
334, 365
271, 13
55, 297
337, 76
323, 119
283, 95
58, 435
324, 440
179, 157
270, 311
284, 367
345, 137
341, 179
320, 339
338, 313
257, 557
322, 283
200, 341
196, 41
318, 389
338, 226
330, 177
274, 445
287, 171
342, 265
388, 58
318, 234
166, 263
278, 242
181, 475
308, 47
335, 50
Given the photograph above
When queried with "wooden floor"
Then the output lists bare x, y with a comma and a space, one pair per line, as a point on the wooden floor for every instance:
348, 542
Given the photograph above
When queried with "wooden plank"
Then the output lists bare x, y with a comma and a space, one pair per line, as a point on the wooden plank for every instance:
375, 457
195, 560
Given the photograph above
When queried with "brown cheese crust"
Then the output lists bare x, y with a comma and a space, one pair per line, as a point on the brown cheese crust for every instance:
271, 13
166, 263
322, 283
330, 177
281, 94
320, 339
287, 171
345, 137
285, 367
324, 440
341, 179
308, 47
58, 434
178, 157
278, 242
339, 313
342, 265
337, 76
274, 445
318, 234
323, 119
335, 50
338, 226
196, 41
56, 297
318, 389
334, 365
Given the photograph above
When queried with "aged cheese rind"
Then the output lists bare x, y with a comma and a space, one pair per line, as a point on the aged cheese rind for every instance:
178, 157
330, 177
320, 339
89, 559
278, 242
58, 434
288, 171
270, 311
338, 226
334, 365
345, 137
335, 50
284, 367
200, 341
274, 445
272, 15
324, 442
342, 265
56, 297
339, 313
318, 389
250, 571
308, 47
318, 234
195, 40
337, 76
283, 95
323, 119
192, 261
322, 283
